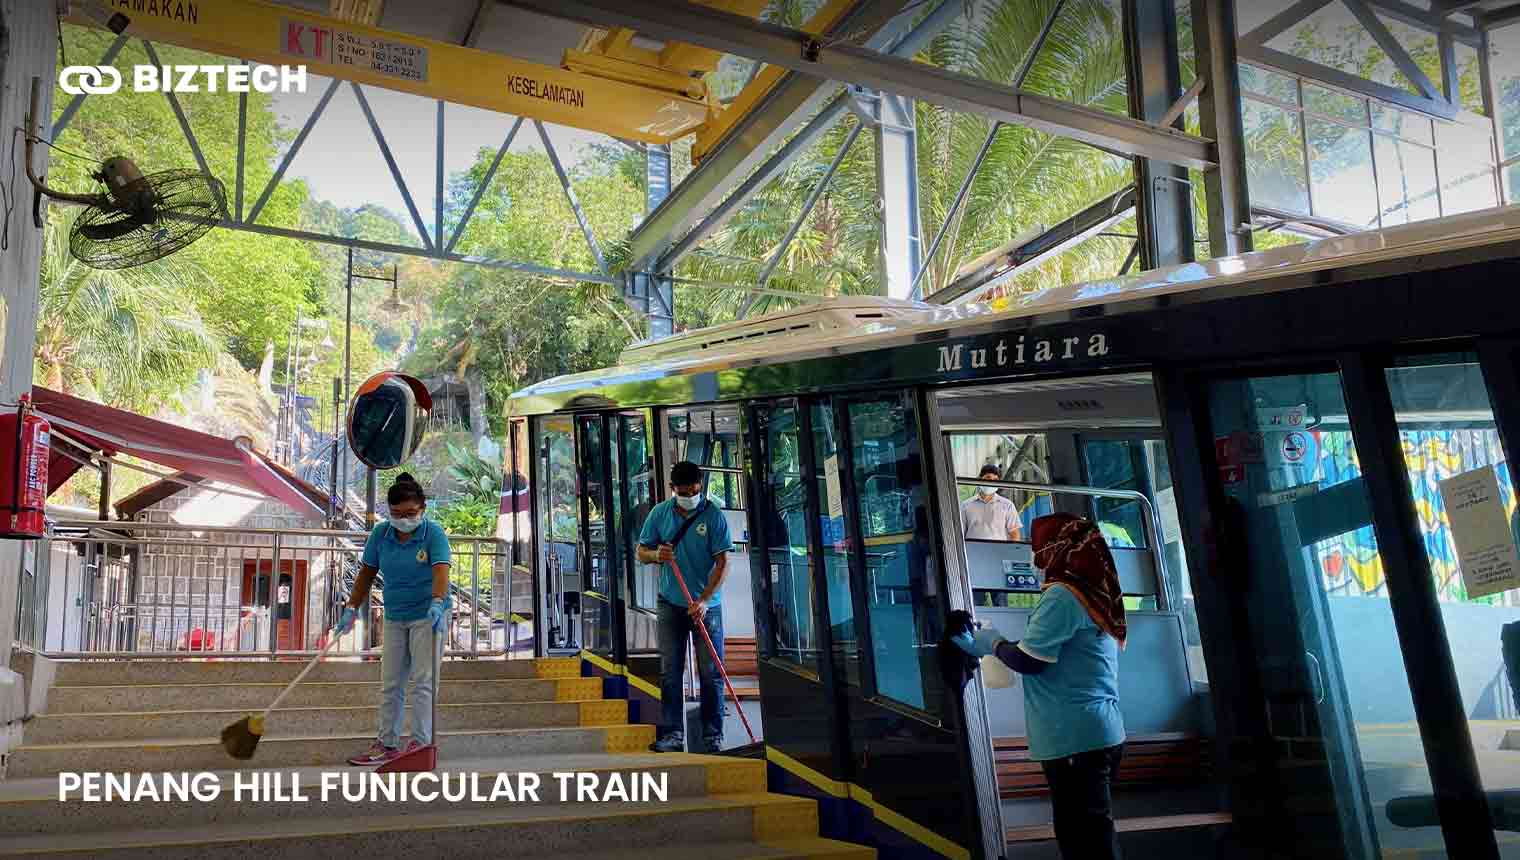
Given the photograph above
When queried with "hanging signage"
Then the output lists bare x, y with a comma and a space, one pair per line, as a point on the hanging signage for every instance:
1479, 528
1282, 417
831, 486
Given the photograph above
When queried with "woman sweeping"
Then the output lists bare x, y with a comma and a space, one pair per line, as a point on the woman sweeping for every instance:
1070, 659
413, 554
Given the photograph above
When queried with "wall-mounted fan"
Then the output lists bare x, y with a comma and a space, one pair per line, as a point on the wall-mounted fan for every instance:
139, 217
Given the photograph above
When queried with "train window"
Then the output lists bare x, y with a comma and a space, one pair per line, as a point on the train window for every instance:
710, 437
902, 599
783, 516
1118, 464
1453, 456
1018, 456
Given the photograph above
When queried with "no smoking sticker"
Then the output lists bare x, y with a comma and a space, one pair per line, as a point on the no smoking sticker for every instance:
1294, 446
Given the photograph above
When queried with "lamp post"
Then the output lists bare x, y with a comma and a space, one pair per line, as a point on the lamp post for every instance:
383, 275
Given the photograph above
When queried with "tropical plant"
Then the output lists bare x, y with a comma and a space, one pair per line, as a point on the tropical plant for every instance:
128, 337
477, 478
1029, 178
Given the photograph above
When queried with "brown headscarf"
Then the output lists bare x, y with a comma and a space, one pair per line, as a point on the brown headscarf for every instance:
1072, 551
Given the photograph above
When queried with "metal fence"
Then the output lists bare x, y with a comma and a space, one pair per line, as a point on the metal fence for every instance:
137, 589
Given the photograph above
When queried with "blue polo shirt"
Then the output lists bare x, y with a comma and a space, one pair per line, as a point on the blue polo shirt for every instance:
407, 568
1072, 706
703, 542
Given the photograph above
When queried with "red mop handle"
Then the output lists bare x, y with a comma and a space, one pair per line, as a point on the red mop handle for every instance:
711, 649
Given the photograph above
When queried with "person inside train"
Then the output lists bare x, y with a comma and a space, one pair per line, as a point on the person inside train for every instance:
988, 515
688, 532
1069, 657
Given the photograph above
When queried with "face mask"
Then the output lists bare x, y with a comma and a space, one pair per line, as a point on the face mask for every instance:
688, 503
987, 492
406, 525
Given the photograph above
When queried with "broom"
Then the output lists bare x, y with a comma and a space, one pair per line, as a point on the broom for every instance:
242, 737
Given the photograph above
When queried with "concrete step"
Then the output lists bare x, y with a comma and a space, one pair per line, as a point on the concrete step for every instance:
174, 755
30, 807
53, 729
107, 698
82, 673
531, 831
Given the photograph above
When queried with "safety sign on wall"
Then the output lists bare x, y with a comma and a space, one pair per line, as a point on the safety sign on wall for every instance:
1481, 531
1294, 446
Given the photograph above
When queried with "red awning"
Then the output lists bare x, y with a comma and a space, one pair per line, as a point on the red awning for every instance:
102, 429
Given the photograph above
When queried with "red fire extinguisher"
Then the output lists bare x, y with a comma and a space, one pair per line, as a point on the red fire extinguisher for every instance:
24, 443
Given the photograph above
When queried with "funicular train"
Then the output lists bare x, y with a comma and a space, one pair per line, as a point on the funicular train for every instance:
1263, 441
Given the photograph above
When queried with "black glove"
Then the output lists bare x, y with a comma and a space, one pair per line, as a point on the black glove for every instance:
956, 666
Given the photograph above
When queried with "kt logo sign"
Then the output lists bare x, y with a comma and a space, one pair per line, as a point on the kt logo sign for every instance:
95, 80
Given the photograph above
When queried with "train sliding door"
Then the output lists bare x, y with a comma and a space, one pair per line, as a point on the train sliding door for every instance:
850, 609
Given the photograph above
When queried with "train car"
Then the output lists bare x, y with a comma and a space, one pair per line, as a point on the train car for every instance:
1297, 457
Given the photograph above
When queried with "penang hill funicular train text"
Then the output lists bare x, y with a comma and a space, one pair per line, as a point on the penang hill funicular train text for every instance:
1264, 442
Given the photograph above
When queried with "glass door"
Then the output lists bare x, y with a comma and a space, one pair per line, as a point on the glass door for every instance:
1294, 534
599, 584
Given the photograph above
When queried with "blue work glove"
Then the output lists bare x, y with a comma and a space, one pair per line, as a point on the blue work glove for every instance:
347, 619
983, 643
438, 613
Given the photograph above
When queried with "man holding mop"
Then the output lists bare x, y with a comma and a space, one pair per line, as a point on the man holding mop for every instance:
413, 555
692, 531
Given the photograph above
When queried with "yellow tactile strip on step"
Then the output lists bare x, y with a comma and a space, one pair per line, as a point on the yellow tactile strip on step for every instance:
577, 689
604, 712
629, 738
786, 818
557, 667
821, 849
735, 776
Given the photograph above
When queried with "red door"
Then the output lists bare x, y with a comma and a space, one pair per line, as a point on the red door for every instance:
289, 598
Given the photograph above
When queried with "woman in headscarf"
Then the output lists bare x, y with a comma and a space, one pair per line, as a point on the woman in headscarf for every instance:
1070, 659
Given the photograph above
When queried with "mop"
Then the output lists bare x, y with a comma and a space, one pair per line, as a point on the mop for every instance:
241, 738
421, 759
712, 650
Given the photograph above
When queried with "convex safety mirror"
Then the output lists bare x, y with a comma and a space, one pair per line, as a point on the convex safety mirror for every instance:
387, 419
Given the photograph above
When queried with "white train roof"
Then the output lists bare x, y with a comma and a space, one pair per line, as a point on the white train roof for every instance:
845, 325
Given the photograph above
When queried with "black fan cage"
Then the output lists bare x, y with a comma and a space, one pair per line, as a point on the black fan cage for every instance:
180, 207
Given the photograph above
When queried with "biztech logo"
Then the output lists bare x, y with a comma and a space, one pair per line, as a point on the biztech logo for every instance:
102, 80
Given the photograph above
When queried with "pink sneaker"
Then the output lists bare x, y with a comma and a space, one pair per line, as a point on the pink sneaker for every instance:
377, 753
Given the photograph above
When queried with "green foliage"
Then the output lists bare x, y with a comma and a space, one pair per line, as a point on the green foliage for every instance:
127, 337
468, 516
254, 285
478, 479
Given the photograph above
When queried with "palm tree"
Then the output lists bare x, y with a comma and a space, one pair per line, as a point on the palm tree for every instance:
128, 337
1029, 179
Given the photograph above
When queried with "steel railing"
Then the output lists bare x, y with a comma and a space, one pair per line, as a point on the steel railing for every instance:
99, 589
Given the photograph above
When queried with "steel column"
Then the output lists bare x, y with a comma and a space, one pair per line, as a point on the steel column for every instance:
1164, 205
1229, 204
654, 295
901, 248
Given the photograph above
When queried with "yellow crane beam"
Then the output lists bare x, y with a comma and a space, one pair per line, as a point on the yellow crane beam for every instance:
653, 110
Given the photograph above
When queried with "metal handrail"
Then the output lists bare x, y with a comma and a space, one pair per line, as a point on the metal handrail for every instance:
1151, 520
130, 585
